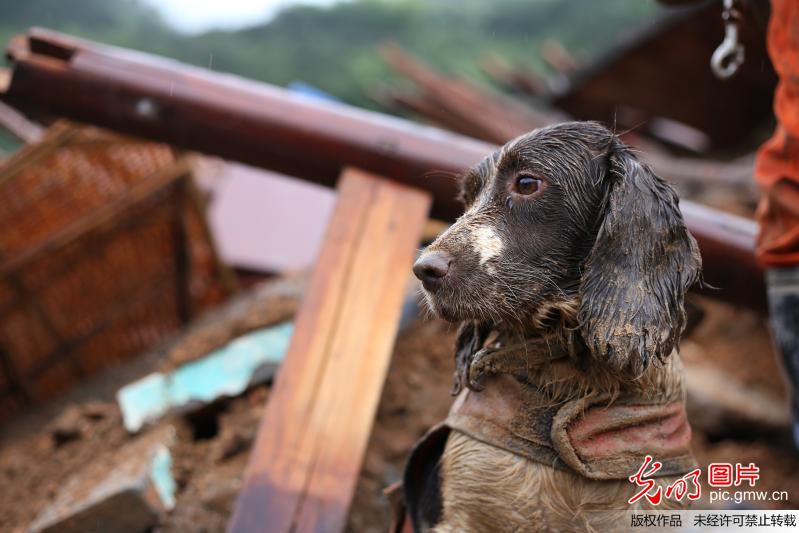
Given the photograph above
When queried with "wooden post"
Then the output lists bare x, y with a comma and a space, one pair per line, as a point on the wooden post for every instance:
313, 435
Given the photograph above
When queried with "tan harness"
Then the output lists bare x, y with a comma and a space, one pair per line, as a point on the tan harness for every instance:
591, 436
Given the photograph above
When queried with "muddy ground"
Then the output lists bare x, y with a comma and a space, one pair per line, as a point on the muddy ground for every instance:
41, 449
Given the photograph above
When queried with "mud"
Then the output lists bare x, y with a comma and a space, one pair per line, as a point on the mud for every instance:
43, 448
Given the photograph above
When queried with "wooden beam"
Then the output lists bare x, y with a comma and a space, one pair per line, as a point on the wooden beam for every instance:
498, 117
231, 117
313, 436
5, 79
18, 124
266, 126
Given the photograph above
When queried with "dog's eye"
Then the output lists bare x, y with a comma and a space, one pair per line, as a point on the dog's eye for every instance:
526, 184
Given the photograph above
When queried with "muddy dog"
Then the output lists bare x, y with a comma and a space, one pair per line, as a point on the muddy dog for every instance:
567, 273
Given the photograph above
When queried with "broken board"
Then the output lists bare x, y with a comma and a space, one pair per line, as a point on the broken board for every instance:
313, 435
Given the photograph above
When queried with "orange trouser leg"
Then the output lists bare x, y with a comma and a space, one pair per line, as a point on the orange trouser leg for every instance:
777, 167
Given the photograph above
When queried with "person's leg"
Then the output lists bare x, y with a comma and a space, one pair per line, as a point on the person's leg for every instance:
783, 298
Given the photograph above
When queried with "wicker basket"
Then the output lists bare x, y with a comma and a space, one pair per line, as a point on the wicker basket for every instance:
104, 251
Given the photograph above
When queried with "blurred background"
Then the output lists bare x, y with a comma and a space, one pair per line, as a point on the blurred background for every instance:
132, 270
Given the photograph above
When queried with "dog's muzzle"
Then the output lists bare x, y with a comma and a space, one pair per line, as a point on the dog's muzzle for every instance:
431, 269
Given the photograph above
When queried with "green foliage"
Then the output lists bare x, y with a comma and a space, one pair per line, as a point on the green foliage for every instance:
335, 48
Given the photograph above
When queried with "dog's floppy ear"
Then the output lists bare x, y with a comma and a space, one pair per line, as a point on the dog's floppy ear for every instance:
635, 277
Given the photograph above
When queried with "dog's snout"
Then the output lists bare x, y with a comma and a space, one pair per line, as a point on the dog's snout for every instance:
431, 268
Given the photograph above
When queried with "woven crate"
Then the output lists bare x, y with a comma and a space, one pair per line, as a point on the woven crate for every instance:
104, 251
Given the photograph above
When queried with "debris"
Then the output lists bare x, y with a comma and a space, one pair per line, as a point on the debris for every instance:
75, 421
131, 489
718, 404
161, 476
460, 105
233, 441
329, 388
68, 426
228, 371
558, 57
420, 156
247, 199
18, 124
262, 305
441, 101
97, 410
88, 202
734, 381
220, 496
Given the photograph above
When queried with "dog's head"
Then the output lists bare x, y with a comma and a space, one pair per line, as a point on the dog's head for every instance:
565, 223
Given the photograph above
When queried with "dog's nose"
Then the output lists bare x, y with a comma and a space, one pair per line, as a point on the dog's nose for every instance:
431, 268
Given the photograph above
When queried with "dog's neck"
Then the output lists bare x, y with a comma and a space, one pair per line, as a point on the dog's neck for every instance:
538, 349
557, 359
553, 325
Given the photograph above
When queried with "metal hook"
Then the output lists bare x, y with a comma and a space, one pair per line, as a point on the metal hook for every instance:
729, 56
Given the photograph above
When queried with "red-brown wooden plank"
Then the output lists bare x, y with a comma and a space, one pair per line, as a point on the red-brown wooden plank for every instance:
313, 435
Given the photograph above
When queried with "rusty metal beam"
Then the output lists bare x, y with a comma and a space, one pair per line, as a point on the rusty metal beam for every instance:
265, 126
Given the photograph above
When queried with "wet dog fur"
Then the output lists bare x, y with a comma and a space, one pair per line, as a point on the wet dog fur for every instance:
565, 233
